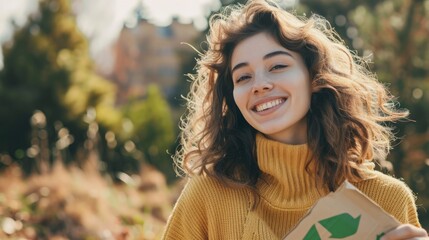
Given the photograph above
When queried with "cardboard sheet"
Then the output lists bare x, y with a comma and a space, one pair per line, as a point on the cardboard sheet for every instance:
344, 214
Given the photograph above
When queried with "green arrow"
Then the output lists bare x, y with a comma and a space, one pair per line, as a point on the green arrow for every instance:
341, 225
312, 234
379, 236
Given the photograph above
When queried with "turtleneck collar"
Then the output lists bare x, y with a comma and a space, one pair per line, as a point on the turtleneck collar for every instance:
285, 183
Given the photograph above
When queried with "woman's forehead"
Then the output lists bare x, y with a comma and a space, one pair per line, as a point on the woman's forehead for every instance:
259, 46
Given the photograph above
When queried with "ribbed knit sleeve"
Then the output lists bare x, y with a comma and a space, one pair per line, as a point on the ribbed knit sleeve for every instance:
393, 195
188, 219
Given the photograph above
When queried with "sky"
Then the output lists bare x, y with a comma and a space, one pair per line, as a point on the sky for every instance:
102, 20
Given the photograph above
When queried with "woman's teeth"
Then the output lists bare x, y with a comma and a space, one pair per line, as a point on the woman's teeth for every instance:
268, 105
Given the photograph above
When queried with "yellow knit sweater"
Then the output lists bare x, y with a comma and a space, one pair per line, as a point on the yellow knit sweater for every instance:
207, 209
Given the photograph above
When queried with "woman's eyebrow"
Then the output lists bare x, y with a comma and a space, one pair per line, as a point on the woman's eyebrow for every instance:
240, 65
275, 53
269, 55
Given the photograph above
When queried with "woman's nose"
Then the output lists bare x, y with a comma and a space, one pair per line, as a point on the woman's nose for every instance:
261, 84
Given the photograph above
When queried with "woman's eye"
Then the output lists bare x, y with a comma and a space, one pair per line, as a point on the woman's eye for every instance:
276, 67
242, 78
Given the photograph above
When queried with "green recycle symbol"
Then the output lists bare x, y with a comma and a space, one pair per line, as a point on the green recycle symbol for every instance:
340, 226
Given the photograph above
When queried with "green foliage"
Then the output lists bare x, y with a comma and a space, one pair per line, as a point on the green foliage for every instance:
47, 67
153, 129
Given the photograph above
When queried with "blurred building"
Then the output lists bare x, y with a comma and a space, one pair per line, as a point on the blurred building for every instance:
149, 54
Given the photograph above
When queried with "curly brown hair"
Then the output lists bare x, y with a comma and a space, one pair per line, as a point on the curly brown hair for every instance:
348, 112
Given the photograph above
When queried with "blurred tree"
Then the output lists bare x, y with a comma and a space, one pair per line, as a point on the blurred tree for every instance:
47, 67
153, 131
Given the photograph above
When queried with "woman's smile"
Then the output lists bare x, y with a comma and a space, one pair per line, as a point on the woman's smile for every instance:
269, 105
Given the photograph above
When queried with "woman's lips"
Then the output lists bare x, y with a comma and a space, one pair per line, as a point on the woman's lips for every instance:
268, 105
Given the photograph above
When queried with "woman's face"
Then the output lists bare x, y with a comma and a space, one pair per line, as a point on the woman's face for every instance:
271, 88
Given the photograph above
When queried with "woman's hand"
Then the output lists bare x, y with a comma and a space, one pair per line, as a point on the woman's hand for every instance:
406, 231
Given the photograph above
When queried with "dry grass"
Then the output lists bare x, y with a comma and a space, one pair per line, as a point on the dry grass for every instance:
75, 203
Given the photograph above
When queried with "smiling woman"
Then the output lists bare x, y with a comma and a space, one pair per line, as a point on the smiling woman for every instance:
271, 88
280, 114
